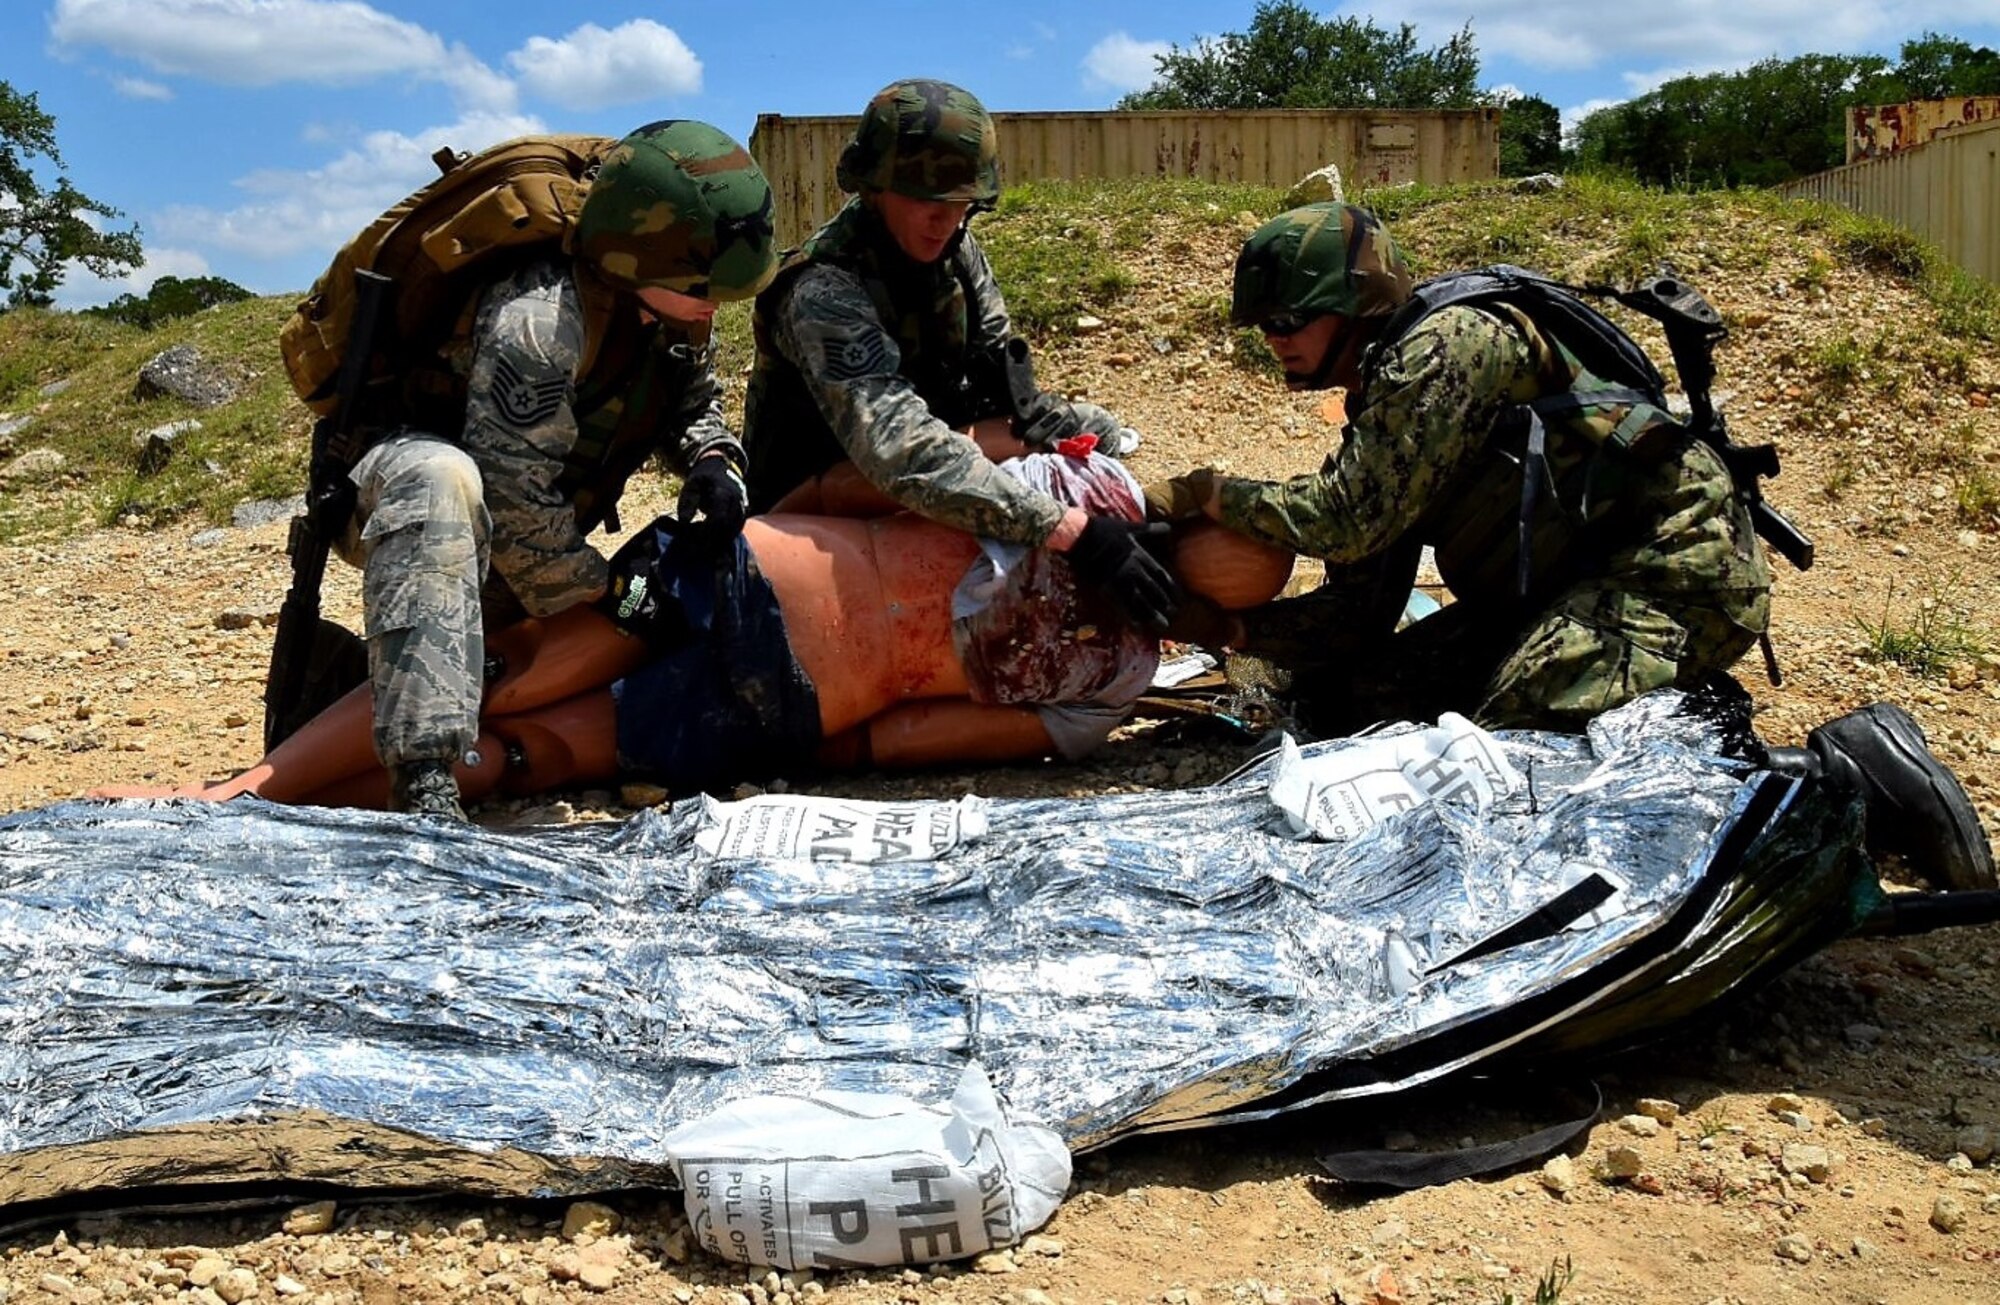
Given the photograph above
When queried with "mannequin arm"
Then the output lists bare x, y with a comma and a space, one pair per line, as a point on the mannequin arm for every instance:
940, 731
841, 491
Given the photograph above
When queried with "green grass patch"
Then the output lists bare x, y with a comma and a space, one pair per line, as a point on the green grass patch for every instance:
1839, 361
1928, 642
1550, 1287
1978, 497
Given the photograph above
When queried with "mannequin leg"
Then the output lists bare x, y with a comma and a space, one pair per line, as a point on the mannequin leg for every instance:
571, 742
369, 789
562, 745
334, 746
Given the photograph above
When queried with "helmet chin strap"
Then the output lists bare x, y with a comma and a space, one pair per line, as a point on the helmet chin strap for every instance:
972, 211
1319, 377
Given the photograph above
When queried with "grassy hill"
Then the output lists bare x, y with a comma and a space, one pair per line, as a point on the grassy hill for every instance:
1154, 255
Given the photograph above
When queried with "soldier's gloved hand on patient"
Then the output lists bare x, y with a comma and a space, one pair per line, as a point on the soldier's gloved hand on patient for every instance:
1047, 421
638, 601
714, 502
1112, 556
1182, 498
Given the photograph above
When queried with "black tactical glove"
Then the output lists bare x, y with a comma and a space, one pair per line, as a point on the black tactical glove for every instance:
637, 601
1045, 421
1111, 555
713, 502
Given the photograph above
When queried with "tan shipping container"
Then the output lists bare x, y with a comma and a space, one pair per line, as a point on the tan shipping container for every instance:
1874, 130
1265, 147
1947, 191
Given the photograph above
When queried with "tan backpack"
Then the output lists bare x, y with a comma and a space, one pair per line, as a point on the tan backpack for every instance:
501, 201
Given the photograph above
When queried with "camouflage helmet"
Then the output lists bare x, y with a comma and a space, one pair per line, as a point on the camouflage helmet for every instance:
1319, 259
924, 139
680, 205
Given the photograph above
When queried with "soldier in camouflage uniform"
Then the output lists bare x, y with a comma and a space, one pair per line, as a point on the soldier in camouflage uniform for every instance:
459, 530
1642, 574
884, 335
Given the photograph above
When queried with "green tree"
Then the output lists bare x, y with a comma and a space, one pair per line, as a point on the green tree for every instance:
1530, 136
1292, 59
1935, 67
1773, 121
44, 230
171, 297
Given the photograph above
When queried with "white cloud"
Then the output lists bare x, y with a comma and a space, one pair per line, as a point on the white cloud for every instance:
250, 42
1572, 116
1122, 63
138, 88
267, 42
82, 288
592, 68
1711, 34
295, 212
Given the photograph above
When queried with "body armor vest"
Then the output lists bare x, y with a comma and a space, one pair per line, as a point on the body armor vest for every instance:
925, 308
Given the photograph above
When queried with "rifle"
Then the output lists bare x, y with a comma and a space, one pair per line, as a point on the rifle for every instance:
1040, 418
1693, 329
337, 444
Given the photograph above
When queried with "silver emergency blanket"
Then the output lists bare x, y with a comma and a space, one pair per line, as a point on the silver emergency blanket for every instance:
196, 992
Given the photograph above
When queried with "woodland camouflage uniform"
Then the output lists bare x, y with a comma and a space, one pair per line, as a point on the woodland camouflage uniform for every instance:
1644, 574
460, 529
864, 354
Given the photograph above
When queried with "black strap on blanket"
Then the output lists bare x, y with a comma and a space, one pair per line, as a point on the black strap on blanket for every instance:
1545, 921
1407, 1170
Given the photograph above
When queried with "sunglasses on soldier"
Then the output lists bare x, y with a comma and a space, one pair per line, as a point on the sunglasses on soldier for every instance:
1287, 323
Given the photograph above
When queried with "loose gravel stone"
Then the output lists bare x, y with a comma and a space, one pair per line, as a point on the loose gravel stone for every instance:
1947, 1213
1559, 1174
1623, 1162
589, 1217
1794, 1247
307, 1220
1811, 1162
1656, 1108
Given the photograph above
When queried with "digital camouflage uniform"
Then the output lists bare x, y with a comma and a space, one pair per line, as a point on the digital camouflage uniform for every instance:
863, 354
1643, 573
455, 531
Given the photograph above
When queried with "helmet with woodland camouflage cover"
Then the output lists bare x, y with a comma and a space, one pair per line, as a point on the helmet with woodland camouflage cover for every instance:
678, 204
1315, 260
924, 139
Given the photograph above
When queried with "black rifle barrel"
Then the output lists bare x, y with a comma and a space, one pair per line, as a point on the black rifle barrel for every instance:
329, 498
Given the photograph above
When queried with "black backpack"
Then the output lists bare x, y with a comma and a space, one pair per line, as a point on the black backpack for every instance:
1625, 396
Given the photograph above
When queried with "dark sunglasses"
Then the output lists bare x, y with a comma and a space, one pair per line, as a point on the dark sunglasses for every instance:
1288, 323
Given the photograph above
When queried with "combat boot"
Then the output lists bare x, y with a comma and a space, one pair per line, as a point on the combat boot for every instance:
425, 788
1915, 807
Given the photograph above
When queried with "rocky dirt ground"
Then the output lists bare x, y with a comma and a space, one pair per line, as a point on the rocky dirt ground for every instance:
1829, 1140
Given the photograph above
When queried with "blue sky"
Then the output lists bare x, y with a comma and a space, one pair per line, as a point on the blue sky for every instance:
249, 138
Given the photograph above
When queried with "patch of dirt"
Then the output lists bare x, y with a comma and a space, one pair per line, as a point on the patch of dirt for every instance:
132, 656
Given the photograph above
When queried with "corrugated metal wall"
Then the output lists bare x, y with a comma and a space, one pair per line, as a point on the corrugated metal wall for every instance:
1947, 191
1275, 147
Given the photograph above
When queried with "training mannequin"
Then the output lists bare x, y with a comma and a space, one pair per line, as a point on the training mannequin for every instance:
892, 678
